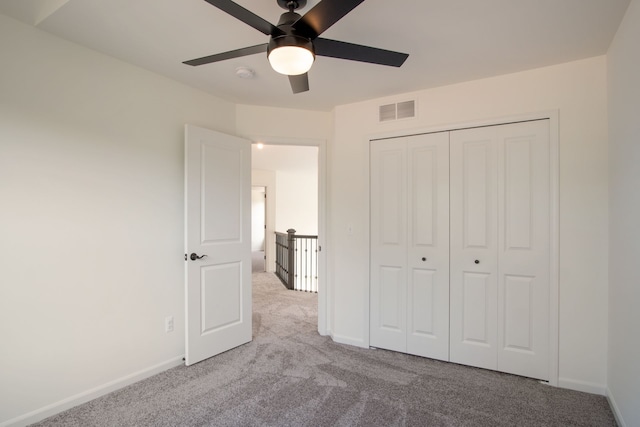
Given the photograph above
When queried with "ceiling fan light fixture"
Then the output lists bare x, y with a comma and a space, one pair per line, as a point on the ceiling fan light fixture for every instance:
290, 55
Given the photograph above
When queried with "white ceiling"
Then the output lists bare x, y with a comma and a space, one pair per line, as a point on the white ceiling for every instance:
448, 41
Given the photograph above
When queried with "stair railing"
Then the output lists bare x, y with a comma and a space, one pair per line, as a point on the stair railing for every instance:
297, 261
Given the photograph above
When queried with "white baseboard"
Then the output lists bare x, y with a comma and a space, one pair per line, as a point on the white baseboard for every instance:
85, 396
584, 386
615, 409
341, 339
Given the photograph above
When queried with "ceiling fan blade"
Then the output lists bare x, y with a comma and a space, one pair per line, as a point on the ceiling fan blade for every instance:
228, 55
356, 52
323, 15
299, 83
246, 16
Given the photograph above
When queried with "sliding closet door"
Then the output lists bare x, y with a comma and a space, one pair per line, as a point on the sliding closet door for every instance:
388, 299
428, 246
474, 247
524, 249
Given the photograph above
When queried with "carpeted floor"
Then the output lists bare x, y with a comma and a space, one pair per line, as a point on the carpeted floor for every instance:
290, 376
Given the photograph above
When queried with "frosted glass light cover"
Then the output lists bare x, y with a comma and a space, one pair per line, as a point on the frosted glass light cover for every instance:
291, 60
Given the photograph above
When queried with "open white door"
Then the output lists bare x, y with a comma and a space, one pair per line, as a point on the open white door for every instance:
217, 243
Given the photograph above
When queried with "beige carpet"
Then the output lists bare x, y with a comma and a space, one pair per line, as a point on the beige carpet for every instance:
290, 376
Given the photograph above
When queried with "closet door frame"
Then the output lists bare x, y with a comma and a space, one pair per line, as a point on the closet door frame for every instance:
554, 220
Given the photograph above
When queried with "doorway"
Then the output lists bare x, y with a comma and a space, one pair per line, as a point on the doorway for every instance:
286, 167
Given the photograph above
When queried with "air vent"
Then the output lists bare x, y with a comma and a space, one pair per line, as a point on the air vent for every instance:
400, 110
387, 112
406, 109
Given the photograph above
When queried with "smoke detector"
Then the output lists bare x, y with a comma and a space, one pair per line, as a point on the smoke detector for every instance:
245, 73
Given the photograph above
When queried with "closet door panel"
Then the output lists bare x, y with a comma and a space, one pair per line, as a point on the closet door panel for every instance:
428, 245
474, 247
524, 247
388, 300
391, 302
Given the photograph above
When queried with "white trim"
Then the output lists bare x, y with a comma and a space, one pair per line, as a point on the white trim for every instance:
584, 386
341, 339
541, 115
554, 249
93, 393
323, 295
615, 409
323, 279
366, 333
554, 283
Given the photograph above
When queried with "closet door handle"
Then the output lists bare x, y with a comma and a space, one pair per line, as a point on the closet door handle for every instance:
477, 261
424, 258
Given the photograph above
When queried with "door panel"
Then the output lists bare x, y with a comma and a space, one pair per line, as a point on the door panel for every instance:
392, 198
388, 246
518, 304
221, 297
423, 292
476, 307
217, 212
478, 195
392, 299
428, 245
518, 193
226, 224
524, 247
474, 247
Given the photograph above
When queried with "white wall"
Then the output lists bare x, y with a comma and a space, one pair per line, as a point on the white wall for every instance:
258, 224
624, 221
297, 201
91, 218
280, 125
578, 90
267, 179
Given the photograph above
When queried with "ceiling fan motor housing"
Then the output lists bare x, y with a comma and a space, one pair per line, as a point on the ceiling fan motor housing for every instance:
289, 38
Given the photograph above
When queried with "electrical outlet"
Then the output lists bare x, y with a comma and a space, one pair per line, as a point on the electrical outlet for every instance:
168, 324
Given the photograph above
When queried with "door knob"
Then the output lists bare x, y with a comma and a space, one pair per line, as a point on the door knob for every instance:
476, 261
194, 256
424, 259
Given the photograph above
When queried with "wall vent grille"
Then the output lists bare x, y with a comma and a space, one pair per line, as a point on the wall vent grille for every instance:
387, 112
397, 111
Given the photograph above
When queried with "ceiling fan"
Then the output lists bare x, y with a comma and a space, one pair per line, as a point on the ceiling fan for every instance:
295, 42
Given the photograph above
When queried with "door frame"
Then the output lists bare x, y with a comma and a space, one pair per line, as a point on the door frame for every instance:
554, 203
324, 297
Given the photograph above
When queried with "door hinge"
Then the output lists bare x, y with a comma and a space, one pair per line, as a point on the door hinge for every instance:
185, 257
